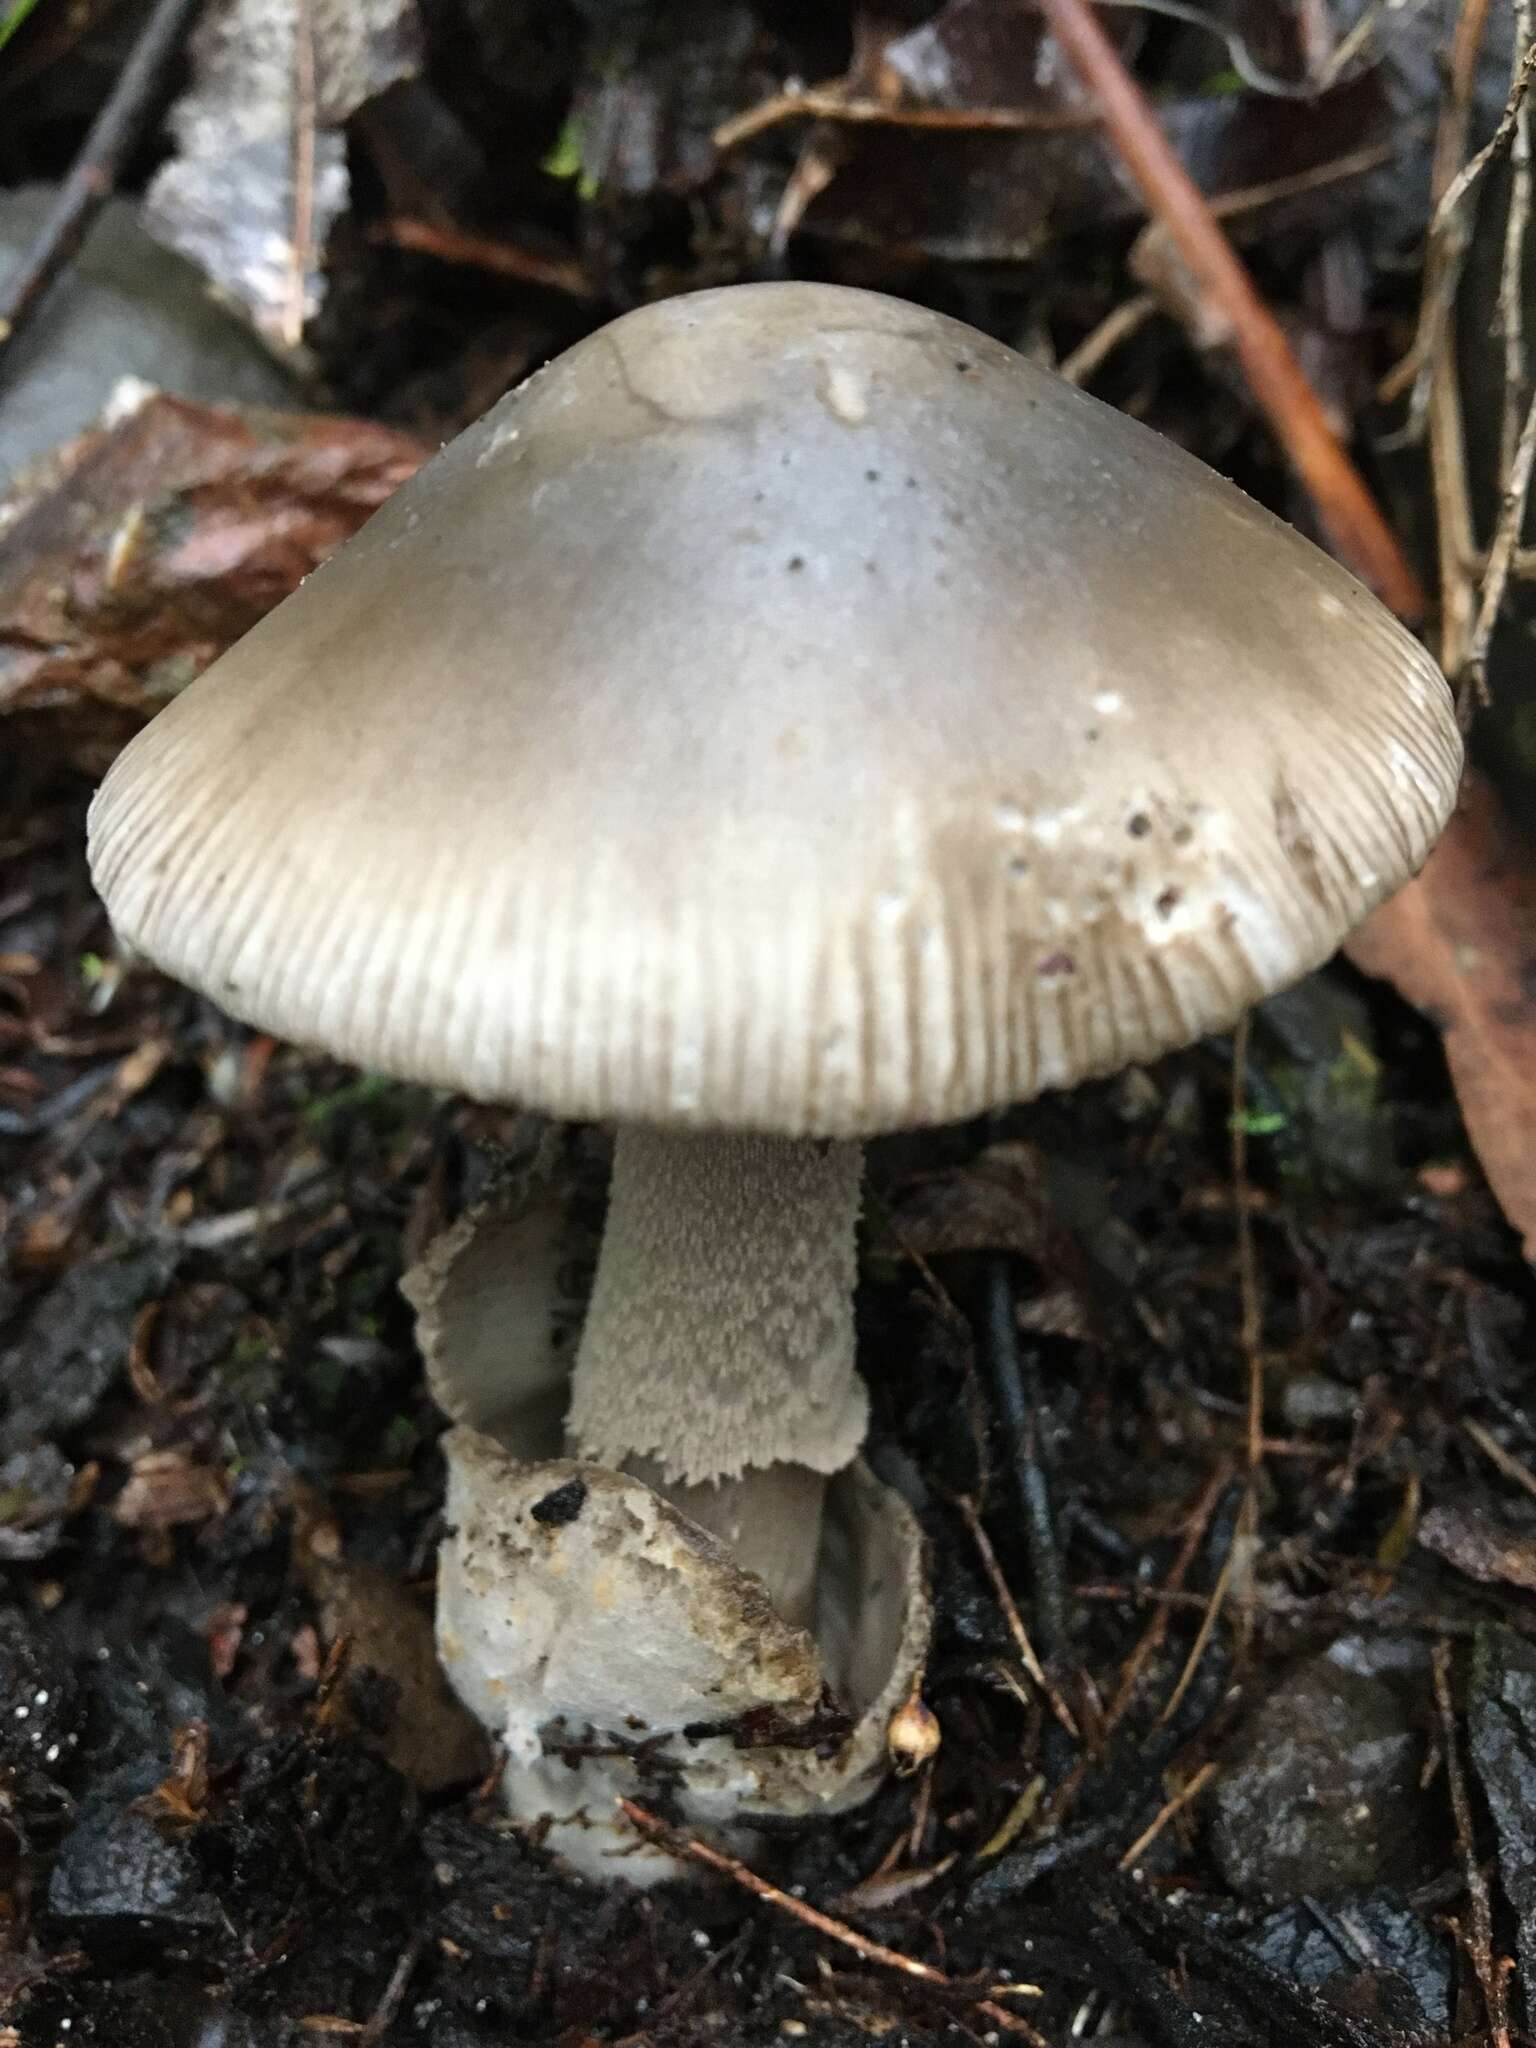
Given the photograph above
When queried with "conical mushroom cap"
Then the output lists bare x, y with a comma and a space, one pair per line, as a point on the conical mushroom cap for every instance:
789, 710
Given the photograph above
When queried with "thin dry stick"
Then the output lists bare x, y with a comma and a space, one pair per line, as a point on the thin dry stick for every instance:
1479, 1944
832, 102
1175, 1805
1152, 1636
1512, 272
303, 233
1208, 1622
387, 2010
1118, 325
1150, 1640
1129, 317
480, 252
1450, 226
1455, 534
1359, 533
1512, 503
1517, 439
1014, 1619
94, 173
1507, 1462
809, 1916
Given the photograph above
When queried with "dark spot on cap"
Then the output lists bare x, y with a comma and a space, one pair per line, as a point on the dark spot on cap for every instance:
1054, 964
1182, 834
795, 562
1092, 733
871, 476
1139, 825
1169, 902
559, 1509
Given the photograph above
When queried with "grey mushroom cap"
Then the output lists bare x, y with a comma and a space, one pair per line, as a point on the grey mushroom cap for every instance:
790, 710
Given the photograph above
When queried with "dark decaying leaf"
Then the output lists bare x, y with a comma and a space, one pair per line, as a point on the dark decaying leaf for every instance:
1481, 1547
165, 536
1460, 944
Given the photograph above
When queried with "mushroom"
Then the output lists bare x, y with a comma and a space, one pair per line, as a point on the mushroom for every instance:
789, 716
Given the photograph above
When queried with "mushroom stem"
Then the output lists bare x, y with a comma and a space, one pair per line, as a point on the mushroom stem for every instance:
718, 1349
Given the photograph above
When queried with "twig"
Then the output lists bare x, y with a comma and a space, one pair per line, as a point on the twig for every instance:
388, 2007
1506, 1461
1359, 533
1450, 232
1512, 503
833, 102
1455, 532
480, 252
1208, 1622
1129, 317
1239, 56
1152, 1637
303, 234
1517, 439
1479, 1945
1512, 273
1012, 1616
866, 1950
1119, 325
94, 173
1175, 1805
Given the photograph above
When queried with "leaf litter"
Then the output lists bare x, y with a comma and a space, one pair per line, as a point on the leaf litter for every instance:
235, 1810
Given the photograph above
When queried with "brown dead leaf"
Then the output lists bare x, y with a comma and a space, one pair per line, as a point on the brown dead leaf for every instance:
996, 1202
159, 539
1460, 944
180, 1801
385, 1681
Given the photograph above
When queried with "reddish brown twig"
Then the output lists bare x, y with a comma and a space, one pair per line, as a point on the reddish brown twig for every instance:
94, 174
480, 252
835, 1930
1350, 516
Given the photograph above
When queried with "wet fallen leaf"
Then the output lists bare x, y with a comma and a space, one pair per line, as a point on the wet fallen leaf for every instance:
390, 1686
1480, 1547
1460, 944
161, 538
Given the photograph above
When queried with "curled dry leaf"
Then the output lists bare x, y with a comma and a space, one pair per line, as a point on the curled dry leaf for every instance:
160, 539
1460, 944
